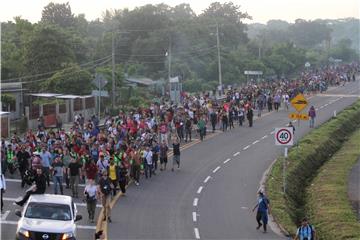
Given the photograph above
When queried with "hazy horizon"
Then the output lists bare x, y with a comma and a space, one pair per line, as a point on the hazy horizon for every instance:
260, 10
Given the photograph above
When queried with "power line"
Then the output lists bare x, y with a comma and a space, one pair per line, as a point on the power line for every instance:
81, 70
46, 73
162, 55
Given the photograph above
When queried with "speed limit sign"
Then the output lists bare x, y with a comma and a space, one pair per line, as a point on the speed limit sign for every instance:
284, 136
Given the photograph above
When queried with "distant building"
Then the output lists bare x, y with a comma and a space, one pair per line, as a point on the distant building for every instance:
15, 90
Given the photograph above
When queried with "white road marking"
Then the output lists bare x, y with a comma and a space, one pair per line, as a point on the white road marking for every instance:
4, 216
246, 147
264, 137
51, 183
244, 208
199, 189
195, 203
77, 203
207, 179
216, 169
316, 109
321, 107
235, 154
197, 234
272, 132
78, 226
227, 160
326, 105
194, 216
255, 142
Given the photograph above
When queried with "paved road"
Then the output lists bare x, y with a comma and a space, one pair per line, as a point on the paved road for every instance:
210, 197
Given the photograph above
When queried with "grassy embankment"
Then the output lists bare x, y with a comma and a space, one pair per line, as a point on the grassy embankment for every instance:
327, 198
303, 164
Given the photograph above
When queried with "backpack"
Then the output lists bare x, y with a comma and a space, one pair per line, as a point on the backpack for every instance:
312, 232
106, 188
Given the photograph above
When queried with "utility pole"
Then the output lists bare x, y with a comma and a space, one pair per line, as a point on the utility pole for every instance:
113, 70
218, 52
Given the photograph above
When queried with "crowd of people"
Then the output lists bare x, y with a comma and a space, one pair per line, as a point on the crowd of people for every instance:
137, 143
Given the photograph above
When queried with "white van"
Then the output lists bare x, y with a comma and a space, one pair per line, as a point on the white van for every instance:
47, 217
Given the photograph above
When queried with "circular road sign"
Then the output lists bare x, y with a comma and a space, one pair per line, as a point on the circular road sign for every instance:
283, 136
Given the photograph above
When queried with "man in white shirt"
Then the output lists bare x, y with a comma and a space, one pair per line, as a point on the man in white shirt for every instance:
147, 156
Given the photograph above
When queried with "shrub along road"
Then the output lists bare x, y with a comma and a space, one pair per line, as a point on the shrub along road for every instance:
327, 195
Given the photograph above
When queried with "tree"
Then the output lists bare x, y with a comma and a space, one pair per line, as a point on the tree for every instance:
230, 19
71, 80
58, 14
48, 49
14, 36
308, 34
342, 50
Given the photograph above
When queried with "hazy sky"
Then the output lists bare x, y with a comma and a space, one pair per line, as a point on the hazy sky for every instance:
260, 10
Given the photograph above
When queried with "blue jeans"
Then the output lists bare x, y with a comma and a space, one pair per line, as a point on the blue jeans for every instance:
148, 168
58, 181
312, 122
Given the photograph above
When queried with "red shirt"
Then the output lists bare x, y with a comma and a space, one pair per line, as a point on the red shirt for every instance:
91, 170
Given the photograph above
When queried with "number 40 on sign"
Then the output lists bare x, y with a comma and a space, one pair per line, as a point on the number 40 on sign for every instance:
284, 136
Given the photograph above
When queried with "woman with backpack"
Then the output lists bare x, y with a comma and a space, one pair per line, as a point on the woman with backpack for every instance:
306, 231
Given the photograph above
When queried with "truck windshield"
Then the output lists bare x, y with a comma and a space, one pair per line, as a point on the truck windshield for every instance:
48, 211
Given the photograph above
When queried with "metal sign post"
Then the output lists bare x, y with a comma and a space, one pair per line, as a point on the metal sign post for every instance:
284, 169
284, 137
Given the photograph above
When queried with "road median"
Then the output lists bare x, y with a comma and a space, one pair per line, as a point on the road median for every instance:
327, 199
303, 164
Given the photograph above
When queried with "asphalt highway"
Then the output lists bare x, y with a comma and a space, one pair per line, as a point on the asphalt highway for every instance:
211, 195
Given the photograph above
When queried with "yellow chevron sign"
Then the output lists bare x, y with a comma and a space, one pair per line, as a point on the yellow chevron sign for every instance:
299, 102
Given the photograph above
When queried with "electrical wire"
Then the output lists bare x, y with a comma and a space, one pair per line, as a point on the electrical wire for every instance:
81, 70
47, 73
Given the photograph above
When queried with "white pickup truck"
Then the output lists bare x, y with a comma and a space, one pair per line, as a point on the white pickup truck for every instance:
47, 217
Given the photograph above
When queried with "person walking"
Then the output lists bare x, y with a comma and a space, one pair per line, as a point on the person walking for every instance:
202, 128
241, 115
305, 231
104, 193
213, 120
163, 156
135, 166
46, 162
102, 163
250, 116
90, 193
312, 115
74, 171
263, 209
224, 120
122, 177
3, 189
23, 158
176, 153
113, 174
147, 156
38, 188
57, 168
188, 127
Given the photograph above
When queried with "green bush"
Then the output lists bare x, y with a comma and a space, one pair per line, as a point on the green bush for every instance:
328, 203
303, 163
